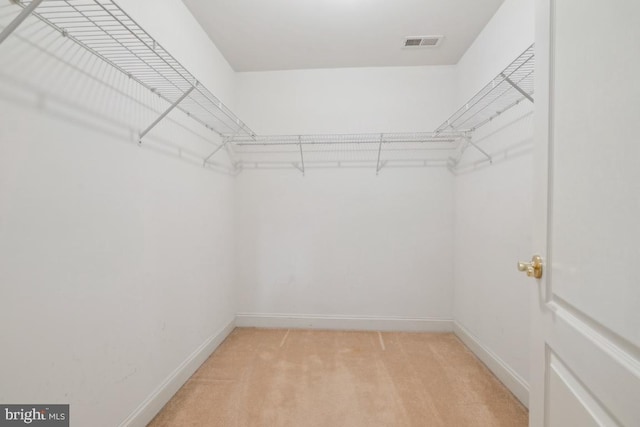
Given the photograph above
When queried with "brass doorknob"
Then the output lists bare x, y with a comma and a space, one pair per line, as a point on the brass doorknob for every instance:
533, 268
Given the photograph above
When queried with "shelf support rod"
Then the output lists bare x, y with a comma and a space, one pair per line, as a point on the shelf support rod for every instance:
301, 155
516, 87
231, 154
379, 152
6, 32
167, 111
218, 148
474, 145
224, 144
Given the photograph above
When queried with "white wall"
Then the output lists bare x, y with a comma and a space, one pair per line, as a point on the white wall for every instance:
493, 204
346, 100
345, 242
116, 262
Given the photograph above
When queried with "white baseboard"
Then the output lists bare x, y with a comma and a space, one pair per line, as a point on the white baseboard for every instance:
358, 323
148, 409
500, 369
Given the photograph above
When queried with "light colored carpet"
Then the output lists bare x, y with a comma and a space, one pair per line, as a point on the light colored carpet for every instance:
300, 378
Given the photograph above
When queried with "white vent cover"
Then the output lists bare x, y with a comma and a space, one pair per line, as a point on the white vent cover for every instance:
422, 41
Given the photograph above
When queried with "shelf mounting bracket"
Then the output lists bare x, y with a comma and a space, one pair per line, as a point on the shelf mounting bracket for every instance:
378, 166
225, 143
167, 111
232, 157
218, 148
301, 155
6, 32
454, 160
474, 145
516, 87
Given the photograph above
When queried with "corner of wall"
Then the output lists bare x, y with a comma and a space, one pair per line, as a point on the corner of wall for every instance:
510, 378
150, 407
508, 34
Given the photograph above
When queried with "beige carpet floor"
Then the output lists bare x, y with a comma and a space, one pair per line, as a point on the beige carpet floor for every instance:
300, 378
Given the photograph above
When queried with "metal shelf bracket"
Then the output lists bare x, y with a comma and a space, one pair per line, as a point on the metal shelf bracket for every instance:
301, 155
225, 144
218, 148
24, 14
167, 111
474, 145
516, 87
378, 165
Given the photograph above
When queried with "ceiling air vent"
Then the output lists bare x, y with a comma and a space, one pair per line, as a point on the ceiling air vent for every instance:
422, 41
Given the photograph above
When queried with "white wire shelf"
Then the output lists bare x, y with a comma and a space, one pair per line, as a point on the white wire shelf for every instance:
108, 32
346, 150
359, 138
513, 85
103, 29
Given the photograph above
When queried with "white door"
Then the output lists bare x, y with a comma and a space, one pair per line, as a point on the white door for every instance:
586, 308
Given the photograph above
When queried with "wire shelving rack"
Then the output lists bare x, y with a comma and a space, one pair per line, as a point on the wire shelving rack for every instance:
509, 88
513, 85
324, 150
106, 31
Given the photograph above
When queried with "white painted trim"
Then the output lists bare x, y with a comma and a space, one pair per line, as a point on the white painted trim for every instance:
358, 323
148, 409
510, 378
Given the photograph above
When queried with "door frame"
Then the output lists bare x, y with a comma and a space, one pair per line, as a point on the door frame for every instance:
541, 205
